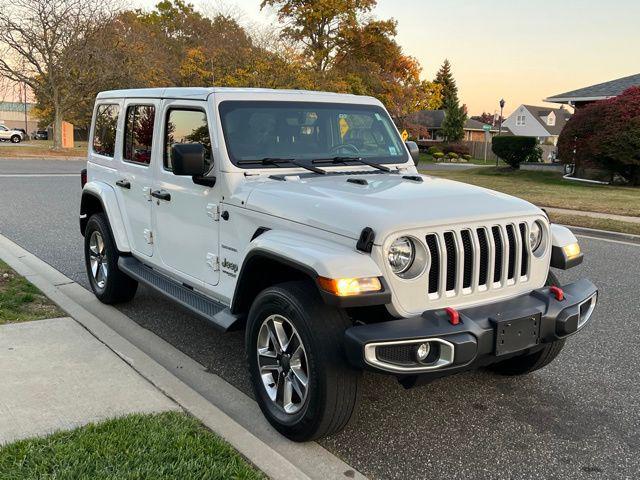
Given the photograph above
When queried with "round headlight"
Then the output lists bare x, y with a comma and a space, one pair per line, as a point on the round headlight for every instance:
535, 236
401, 255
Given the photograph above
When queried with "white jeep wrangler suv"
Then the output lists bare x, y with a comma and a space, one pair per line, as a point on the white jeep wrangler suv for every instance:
300, 216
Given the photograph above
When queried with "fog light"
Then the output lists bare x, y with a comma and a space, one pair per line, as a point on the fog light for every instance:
422, 352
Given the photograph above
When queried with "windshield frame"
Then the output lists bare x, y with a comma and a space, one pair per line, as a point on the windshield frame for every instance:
404, 158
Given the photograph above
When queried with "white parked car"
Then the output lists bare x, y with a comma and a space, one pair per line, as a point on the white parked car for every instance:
11, 135
300, 216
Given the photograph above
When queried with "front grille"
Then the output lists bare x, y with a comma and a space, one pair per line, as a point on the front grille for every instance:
499, 253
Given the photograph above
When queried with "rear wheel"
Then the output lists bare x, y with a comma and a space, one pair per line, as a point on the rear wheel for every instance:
524, 364
108, 283
301, 378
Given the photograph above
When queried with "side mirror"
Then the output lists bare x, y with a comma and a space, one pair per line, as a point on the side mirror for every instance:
414, 151
188, 159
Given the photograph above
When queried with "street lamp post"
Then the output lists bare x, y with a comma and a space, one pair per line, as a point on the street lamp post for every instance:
502, 102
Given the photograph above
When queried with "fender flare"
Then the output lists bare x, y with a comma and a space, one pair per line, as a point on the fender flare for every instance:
313, 258
561, 237
106, 195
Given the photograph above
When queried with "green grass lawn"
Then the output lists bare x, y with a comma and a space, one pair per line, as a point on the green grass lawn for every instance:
550, 190
170, 445
20, 301
41, 149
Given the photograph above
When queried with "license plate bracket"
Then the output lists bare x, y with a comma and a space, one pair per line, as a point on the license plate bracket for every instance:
516, 334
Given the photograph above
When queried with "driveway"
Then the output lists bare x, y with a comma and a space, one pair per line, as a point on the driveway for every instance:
578, 418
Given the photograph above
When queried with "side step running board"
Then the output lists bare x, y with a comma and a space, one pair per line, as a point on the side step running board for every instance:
214, 312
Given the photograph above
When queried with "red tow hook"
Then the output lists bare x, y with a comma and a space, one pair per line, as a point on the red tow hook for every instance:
557, 292
454, 316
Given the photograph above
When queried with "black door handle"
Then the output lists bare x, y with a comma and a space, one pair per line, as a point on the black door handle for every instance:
162, 195
123, 184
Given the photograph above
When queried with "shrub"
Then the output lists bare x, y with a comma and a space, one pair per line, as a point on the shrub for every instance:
459, 148
452, 155
466, 156
438, 155
515, 149
605, 135
432, 150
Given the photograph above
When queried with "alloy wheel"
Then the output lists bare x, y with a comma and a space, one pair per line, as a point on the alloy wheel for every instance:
282, 361
98, 259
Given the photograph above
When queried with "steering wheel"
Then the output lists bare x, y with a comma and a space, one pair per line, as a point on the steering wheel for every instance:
349, 147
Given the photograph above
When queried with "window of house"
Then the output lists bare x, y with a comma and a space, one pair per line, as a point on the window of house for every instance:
104, 132
138, 134
520, 120
186, 126
551, 120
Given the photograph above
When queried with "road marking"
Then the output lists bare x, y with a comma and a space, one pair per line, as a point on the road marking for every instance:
608, 240
28, 175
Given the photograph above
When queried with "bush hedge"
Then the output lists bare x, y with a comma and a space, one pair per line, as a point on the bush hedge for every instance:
457, 148
516, 149
432, 150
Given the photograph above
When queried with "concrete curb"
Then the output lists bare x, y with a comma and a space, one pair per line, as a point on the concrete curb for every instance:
275, 458
605, 235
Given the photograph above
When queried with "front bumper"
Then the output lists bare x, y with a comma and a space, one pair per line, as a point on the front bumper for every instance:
485, 334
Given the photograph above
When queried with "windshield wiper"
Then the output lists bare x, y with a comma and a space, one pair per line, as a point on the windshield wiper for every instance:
278, 162
344, 160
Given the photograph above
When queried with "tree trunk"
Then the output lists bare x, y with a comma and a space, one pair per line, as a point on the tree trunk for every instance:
57, 127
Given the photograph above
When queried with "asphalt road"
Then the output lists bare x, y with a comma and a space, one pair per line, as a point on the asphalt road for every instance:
577, 418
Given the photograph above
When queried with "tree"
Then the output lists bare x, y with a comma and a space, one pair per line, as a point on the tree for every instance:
488, 118
319, 25
445, 79
516, 149
605, 135
454, 119
42, 44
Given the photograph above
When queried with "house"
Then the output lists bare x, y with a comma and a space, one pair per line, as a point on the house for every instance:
431, 121
584, 96
12, 115
542, 122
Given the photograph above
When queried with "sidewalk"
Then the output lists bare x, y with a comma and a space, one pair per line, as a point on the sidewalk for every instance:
57, 376
608, 216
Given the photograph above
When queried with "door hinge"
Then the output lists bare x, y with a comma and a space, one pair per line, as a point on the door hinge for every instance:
146, 191
148, 236
213, 262
213, 210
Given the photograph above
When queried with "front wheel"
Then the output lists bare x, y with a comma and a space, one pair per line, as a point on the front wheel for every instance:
108, 283
531, 362
300, 376
15, 139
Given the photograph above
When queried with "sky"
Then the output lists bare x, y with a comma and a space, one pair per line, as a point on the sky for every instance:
519, 50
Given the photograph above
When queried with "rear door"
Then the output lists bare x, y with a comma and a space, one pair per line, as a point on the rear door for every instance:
135, 175
185, 217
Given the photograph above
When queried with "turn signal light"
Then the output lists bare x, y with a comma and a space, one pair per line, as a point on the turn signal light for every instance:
572, 250
344, 287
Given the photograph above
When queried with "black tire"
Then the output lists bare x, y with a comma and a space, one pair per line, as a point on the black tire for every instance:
117, 286
531, 362
333, 386
15, 139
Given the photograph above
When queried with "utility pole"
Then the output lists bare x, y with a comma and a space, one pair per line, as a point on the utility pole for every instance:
502, 103
26, 123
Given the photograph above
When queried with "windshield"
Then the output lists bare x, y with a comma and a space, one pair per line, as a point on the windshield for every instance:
256, 130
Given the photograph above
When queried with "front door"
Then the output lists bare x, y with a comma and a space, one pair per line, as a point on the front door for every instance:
135, 174
184, 212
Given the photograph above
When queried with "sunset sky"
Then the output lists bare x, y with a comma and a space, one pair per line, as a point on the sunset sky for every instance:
522, 50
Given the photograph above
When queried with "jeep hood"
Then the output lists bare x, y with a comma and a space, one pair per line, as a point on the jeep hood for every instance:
345, 204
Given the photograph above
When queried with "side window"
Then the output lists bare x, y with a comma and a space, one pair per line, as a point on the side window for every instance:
138, 134
186, 126
104, 134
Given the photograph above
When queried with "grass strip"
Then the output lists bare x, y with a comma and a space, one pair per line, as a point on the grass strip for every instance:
21, 301
169, 445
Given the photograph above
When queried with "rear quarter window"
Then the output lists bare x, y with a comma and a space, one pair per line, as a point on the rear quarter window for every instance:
105, 128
